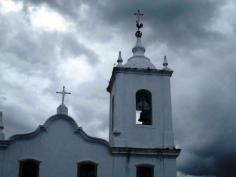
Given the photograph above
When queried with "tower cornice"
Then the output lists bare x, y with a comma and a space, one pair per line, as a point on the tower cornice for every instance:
160, 72
163, 152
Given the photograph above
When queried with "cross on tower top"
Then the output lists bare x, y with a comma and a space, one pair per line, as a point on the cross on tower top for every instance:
63, 92
138, 14
139, 25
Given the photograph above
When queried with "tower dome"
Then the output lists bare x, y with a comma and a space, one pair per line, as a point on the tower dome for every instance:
139, 60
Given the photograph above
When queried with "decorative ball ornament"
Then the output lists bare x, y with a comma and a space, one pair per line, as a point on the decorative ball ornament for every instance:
138, 34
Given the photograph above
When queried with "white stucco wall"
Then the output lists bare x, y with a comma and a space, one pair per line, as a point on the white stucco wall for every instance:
60, 145
157, 135
125, 166
59, 149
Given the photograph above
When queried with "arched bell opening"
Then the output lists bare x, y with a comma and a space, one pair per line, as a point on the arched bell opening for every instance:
143, 107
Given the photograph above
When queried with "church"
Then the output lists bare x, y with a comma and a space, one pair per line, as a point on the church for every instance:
141, 138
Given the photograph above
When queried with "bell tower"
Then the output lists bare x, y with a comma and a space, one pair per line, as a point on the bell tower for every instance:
140, 101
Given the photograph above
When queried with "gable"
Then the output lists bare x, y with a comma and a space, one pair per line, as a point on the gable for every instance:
59, 143
57, 127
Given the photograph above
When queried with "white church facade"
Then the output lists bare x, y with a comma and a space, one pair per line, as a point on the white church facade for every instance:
141, 138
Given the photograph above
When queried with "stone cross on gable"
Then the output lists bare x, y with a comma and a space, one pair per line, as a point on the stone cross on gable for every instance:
63, 93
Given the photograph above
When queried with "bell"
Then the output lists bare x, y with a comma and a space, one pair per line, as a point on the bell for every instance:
145, 117
143, 105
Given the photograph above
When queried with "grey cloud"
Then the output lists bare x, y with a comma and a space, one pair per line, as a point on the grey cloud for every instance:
179, 24
30, 54
31, 48
73, 48
67, 8
15, 123
90, 104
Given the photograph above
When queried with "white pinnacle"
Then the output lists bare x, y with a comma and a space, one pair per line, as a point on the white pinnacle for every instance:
119, 60
165, 64
2, 135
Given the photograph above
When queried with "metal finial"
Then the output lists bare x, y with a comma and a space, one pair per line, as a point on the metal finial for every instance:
63, 92
138, 24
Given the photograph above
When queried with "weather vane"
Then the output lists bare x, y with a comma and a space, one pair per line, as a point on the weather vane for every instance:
138, 24
63, 92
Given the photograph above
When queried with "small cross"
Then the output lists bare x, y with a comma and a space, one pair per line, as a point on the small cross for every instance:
63, 92
138, 14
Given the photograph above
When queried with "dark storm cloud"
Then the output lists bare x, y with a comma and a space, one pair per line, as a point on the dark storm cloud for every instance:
205, 118
177, 23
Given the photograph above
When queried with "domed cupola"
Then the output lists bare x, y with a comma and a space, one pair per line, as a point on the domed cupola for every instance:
139, 60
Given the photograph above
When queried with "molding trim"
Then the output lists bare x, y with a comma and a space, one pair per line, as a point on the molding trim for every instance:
163, 152
116, 70
4, 144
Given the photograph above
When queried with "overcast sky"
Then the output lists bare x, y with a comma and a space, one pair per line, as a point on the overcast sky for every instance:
45, 44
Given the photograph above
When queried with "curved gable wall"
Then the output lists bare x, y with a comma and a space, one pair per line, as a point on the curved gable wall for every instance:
58, 143
49, 122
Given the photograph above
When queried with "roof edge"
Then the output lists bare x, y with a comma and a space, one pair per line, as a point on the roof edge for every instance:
116, 70
44, 127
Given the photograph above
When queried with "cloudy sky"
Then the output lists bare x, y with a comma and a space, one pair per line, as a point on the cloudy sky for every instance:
45, 44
